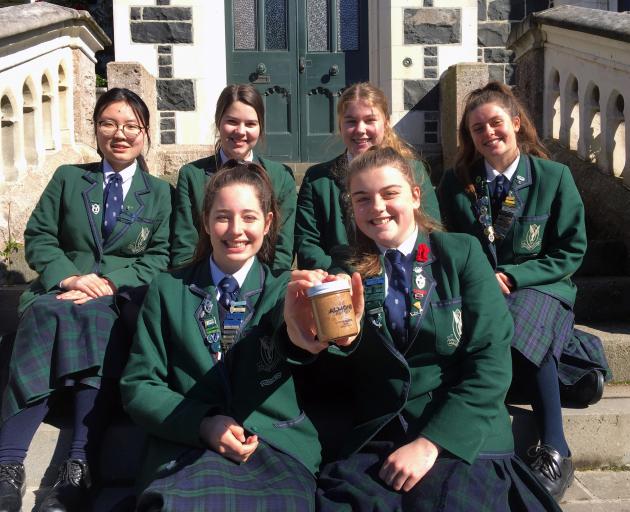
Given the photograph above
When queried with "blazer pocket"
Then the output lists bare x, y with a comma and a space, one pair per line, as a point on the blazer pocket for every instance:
528, 235
292, 422
138, 236
447, 318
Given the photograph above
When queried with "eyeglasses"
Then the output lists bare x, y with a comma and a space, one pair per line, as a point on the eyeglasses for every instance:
109, 128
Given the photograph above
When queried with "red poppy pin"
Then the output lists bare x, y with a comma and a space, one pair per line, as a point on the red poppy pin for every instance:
423, 253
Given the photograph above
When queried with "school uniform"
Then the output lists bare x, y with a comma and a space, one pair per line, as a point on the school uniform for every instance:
538, 239
175, 378
191, 185
445, 380
322, 219
57, 342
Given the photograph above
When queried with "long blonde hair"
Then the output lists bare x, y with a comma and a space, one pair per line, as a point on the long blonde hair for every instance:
375, 98
364, 256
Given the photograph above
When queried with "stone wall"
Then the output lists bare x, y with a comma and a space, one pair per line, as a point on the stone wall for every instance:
182, 44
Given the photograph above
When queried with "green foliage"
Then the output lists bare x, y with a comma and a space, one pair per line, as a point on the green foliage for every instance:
101, 81
11, 247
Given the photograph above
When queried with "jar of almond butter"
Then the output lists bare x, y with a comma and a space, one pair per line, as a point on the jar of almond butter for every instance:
332, 308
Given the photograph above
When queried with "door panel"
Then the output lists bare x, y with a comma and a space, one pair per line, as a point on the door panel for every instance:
262, 48
300, 54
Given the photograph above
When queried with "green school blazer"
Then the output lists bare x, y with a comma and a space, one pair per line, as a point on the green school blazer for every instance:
189, 195
321, 222
546, 239
450, 383
63, 235
171, 381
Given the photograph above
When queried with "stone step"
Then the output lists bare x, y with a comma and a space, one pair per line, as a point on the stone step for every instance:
602, 298
598, 435
615, 337
598, 491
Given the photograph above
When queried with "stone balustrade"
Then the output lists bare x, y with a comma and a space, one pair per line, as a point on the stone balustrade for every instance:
47, 94
573, 67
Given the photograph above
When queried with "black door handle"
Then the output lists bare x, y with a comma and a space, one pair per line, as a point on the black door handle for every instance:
301, 65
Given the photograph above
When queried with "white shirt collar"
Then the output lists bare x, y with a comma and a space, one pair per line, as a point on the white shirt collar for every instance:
491, 173
225, 158
126, 174
240, 275
407, 247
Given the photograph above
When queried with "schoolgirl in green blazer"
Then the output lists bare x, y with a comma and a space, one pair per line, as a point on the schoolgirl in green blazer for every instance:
239, 118
430, 368
205, 377
527, 213
321, 222
98, 233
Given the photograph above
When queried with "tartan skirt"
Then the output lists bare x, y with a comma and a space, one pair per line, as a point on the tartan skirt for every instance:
205, 481
59, 343
496, 483
543, 327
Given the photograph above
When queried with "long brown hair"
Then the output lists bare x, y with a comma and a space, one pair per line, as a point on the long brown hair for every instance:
365, 253
373, 96
138, 107
527, 138
245, 93
242, 173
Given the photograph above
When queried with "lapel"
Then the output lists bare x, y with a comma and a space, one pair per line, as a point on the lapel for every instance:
481, 212
251, 292
519, 188
205, 304
214, 164
133, 207
421, 289
92, 195
374, 294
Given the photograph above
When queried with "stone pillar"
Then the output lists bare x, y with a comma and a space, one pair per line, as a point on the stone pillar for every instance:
527, 41
456, 82
133, 76
84, 97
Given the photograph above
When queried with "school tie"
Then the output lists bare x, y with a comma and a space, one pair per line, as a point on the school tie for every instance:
113, 200
228, 291
397, 298
500, 191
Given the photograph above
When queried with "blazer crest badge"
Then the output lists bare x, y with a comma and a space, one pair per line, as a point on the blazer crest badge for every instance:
532, 239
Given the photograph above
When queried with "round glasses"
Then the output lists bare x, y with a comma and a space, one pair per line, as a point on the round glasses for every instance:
109, 128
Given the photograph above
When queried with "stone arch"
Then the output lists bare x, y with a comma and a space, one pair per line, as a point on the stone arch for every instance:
47, 114
616, 130
64, 114
572, 109
593, 135
29, 111
8, 137
554, 116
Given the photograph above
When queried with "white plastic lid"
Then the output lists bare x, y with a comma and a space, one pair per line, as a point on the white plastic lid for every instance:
340, 285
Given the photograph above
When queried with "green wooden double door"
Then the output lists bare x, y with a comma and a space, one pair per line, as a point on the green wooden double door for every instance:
300, 55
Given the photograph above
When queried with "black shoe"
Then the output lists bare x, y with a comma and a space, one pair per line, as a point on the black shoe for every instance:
586, 391
12, 486
552, 470
70, 491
